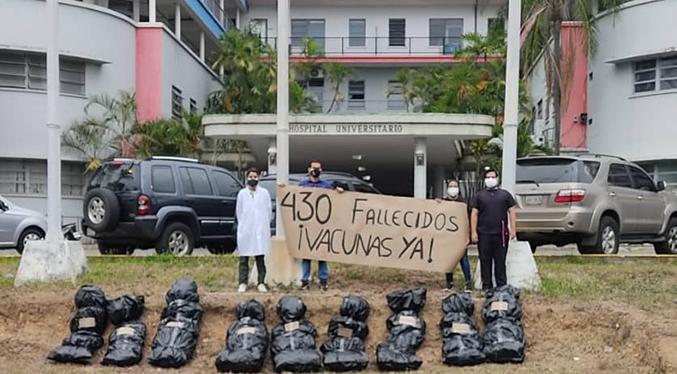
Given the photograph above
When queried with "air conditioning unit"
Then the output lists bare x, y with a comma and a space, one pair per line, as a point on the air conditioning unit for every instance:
317, 73
538, 139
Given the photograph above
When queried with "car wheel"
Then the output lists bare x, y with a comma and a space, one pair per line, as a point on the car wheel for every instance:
29, 234
608, 239
222, 248
101, 209
106, 248
176, 239
669, 245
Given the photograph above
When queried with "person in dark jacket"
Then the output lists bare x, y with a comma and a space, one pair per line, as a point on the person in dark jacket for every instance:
454, 195
489, 227
314, 181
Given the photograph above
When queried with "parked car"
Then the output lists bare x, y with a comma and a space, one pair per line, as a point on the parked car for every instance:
171, 204
19, 225
594, 201
346, 181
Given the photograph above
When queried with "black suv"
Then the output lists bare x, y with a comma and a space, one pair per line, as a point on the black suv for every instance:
346, 181
168, 203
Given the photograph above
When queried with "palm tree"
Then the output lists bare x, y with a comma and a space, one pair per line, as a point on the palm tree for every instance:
545, 17
336, 74
478, 46
107, 129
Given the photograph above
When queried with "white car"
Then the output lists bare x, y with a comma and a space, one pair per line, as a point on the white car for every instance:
19, 225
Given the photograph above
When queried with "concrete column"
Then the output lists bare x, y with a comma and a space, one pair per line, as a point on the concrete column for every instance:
136, 10
438, 182
420, 168
237, 18
177, 20
202, 46
283, 26
511, 98
151, 11
222, 15
272, 156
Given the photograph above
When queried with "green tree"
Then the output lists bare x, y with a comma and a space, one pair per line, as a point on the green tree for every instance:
106, 130
545, 19
170, 137
336, 73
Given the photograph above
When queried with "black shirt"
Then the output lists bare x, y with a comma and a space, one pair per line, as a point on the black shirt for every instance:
492, 206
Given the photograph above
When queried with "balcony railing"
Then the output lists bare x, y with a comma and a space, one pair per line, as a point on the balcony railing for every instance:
376, 45
215, 7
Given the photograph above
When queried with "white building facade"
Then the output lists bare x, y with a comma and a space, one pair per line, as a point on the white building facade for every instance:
632, 87
106, 46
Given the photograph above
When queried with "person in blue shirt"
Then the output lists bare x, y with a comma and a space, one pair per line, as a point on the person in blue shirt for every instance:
314, 181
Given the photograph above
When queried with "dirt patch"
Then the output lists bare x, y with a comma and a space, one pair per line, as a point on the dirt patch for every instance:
603, 337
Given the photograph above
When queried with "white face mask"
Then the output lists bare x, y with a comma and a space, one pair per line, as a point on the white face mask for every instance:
452, 191
491, 182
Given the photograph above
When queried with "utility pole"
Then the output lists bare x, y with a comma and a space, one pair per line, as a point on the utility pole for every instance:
283, 24
510, 122
53, 129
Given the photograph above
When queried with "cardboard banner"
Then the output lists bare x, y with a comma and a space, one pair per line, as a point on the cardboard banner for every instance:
375, 230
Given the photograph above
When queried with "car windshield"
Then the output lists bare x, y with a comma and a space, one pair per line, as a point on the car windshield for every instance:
119, 177
556, 170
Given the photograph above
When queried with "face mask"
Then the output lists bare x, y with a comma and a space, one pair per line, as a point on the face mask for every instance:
452, 191
315, 172
491, 182
252, 182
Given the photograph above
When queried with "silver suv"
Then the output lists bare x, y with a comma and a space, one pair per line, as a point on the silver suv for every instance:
595, 201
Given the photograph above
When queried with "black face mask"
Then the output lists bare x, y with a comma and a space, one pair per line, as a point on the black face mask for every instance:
315, 172
252, 182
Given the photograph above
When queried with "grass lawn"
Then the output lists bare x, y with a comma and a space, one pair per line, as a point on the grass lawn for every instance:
637, 281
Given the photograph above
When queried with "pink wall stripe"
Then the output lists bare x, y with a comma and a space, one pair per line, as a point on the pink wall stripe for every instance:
149, 73
574, 132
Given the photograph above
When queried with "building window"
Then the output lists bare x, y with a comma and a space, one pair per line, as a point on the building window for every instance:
259, 27
29, 177
395, 95
495, 24
357, 32
29, 71
193, 106
307, 28
177, 103
650, 74
397, 32
356, 94
446, 32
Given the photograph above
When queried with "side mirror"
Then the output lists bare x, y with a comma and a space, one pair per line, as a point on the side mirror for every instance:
3, 206
661, 186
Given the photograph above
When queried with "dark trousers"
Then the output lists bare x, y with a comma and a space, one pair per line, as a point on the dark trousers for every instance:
244, 269
493, 249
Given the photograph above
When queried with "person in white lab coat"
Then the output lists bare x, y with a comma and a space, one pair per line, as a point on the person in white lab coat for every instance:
254, 212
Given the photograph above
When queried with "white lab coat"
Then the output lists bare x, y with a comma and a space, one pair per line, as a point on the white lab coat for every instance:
253, 221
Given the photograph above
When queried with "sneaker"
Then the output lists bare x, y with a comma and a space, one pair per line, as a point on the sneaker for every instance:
323, 285
242, 288
448, 288
262, 288
468, 287
305, 285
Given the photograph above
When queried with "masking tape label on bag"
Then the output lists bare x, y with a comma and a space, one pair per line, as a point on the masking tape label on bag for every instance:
291, 326
460, 328
499, 306
85, 323
408, 320
246, 330
125, 331
344, 332
174, 324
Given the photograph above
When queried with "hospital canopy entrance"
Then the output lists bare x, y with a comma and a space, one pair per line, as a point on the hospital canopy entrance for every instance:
407, 154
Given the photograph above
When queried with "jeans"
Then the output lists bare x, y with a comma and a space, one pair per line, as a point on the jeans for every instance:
465, 266
322, 270
493, 250
260, 269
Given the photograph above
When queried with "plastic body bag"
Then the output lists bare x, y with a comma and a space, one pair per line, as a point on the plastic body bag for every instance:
293, 345
246, 341
406, 331
344, 350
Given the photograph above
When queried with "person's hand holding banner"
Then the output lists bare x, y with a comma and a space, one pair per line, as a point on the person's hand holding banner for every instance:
376, 230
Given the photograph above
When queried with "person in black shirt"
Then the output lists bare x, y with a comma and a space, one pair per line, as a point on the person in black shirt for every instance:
489, 227
454, 195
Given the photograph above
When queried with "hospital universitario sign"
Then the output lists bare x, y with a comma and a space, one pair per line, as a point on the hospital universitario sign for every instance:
345, 129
